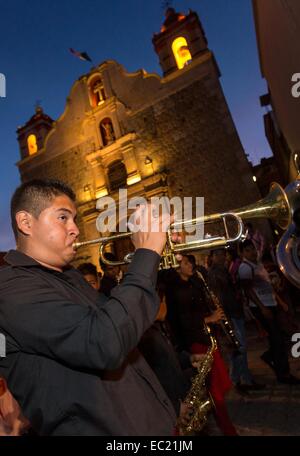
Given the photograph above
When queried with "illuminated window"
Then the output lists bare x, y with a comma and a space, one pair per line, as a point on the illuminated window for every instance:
97, 92
107, 131
181, 52
32, 144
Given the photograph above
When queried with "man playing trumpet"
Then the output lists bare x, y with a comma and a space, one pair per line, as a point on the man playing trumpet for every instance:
71, 360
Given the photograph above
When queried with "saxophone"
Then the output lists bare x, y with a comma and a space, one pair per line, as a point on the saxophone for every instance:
198, 396
225, 324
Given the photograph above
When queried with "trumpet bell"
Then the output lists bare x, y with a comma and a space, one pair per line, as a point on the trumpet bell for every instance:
275, 206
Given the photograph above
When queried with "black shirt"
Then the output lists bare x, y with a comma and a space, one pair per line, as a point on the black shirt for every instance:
67, 360
159, 352
220, 282
187, 307
107, 284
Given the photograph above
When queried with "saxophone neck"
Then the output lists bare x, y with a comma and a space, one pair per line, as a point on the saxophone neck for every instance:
213, 341
214, 299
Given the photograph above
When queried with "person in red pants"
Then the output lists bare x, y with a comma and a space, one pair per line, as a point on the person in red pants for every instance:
12, 423
218, 384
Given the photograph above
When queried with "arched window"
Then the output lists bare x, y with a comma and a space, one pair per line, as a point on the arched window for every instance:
32, 144
107, 131
117, 175
181, 52
97, 92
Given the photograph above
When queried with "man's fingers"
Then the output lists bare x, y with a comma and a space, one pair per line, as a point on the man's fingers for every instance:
149, 219
166, 220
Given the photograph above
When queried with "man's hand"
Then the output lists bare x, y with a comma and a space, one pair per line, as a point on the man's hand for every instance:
153, 228
185, 414
196, 359
216, 316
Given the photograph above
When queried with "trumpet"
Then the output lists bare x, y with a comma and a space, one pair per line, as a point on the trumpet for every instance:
168, 257
282, 206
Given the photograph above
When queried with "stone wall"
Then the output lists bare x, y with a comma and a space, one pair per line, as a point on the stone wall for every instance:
192, 136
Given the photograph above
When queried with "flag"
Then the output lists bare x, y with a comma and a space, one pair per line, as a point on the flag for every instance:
80, 55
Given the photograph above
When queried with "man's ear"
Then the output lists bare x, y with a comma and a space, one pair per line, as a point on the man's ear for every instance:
24, 222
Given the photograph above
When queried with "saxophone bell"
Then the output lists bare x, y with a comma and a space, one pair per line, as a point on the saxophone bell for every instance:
198, 397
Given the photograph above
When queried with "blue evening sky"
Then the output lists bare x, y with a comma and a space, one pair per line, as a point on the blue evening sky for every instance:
35, 37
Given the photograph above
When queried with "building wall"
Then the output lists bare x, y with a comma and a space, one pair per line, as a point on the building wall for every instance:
181, 121
192, 135
278, 36
266, 172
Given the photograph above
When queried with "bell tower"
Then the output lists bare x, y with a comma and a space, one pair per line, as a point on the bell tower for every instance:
32, 135
180, 41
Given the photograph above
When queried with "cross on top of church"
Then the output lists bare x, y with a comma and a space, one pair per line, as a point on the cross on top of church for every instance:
38, 107
166, 4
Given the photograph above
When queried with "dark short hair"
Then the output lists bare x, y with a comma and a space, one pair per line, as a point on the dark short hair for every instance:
35, 196
245, 244
218, 250
233, 252
88, 268
111, 257
190, 258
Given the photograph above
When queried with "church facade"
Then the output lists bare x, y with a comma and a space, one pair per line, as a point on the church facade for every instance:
171, 135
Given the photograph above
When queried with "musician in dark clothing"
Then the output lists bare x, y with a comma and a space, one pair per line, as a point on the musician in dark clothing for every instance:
173, 369
187, 305
71, 360
188, 313
220, 282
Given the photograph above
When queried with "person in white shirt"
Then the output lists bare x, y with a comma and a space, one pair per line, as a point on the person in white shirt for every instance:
257, 238
259, 291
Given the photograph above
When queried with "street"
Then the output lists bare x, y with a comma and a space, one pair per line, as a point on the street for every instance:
274, 411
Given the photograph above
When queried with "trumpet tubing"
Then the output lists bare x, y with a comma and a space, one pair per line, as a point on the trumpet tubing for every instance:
281, 206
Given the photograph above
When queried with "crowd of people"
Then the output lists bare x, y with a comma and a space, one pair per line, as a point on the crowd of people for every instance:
114, 353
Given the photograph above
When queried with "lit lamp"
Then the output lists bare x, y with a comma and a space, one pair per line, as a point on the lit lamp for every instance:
149, 161
87, 192
297, 162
